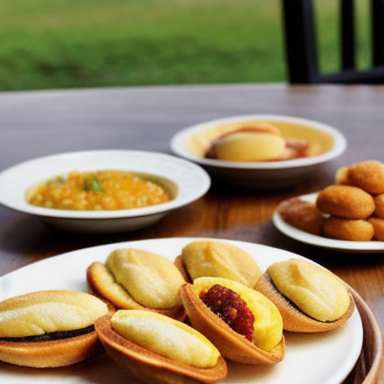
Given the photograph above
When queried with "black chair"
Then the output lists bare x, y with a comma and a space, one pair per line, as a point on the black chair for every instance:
301, 44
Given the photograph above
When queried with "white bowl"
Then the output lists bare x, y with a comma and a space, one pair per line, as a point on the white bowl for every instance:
188, 182
325, 144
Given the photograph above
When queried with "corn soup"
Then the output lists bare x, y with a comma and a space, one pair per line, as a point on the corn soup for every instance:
99, 190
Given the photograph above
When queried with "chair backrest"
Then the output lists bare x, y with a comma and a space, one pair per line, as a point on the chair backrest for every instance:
302, 51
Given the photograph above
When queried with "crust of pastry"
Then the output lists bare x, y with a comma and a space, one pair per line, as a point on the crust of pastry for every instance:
150, 367
51, 354
102, 285
231, 344
295, 320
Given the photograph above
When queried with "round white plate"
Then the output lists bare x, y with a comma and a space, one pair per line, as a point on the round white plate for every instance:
325, 358
191, 143
324, 242
188, 180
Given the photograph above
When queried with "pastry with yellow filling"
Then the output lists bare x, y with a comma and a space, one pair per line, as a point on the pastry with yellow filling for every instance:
137, 279
309, 297
243, 324
49, 328
154, 348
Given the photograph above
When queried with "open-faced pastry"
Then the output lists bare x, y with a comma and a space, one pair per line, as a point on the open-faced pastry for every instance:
310, 298
49, 328
154, 348
243, 324
137, 279
218, 259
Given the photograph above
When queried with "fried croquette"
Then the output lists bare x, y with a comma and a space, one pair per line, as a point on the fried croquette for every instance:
348, 229
378, 226
346, 202
379, 206
367, 175
301, 214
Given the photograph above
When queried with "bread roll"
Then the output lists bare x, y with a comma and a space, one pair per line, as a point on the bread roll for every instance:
49, 328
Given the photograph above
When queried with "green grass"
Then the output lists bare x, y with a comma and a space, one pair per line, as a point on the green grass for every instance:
49, 44
90, 43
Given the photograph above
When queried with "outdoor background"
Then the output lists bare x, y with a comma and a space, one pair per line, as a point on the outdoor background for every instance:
50, 44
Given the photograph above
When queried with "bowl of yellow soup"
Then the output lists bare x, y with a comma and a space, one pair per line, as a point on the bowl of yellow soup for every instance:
260, 151
102, 191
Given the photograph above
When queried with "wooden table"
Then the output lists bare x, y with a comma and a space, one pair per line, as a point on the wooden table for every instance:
34, 124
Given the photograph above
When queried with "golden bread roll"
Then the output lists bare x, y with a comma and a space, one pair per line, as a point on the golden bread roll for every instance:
378, 227
309, 297
345, 201
243, 324
367, 175
219, 259
49, 328
379, 206
302, 214
137, 279
157, 349
348, 229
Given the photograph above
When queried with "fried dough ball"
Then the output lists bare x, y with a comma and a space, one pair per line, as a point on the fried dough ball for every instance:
367, 175
379, 206
345, 201
302, 214
348, 229
378, 226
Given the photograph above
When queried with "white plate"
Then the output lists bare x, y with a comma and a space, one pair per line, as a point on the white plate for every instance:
191, 143
324, 242
189, 181
316, 359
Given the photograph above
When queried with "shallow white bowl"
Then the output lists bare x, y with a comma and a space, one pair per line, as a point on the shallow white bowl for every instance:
187, 180
325, 144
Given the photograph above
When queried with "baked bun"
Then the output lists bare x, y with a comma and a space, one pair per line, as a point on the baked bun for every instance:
219, 259
309, 297
49, 328
157, 349
243, 324
137, 279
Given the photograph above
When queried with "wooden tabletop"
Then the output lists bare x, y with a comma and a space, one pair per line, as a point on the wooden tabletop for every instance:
34, 124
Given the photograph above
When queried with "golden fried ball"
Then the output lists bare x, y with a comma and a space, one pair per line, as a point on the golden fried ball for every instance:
378, 226
345, 201
347, 229
367, 175
379, 206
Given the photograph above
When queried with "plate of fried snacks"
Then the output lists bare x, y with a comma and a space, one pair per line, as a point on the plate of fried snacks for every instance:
102, 191
345, 216
260, 151
185, 310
